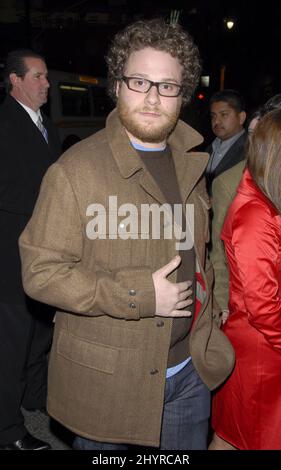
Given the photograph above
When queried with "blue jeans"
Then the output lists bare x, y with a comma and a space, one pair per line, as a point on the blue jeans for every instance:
185, 416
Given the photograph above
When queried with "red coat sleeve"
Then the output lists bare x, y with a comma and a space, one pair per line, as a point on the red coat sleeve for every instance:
256, 242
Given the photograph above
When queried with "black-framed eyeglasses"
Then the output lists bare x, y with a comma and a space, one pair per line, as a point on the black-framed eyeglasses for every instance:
143, 85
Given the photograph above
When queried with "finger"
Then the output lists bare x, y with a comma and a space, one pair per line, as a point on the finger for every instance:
225, 315
180, 313
183, 286
185, 294
170, 267
184, 304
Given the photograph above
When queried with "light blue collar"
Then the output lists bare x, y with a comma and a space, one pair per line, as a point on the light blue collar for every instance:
145, 149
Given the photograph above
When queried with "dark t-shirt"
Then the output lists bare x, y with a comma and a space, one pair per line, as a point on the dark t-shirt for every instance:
160, 164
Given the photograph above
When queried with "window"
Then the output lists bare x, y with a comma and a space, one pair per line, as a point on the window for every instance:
75, 100
102, 104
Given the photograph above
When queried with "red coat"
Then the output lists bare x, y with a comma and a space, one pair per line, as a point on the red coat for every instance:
247, 408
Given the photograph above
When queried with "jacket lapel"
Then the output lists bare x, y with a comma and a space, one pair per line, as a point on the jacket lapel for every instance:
235, 154
148, 183
189, 167
127, 159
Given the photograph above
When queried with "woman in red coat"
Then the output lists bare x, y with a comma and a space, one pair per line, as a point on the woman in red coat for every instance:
247, 408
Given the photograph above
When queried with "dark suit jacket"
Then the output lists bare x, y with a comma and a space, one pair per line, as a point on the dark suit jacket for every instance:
235, 154
24, 158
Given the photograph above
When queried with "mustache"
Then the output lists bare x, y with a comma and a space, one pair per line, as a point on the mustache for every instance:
153, 110
150, 110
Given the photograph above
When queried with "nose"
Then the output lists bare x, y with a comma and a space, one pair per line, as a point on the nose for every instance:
45, 82
152, 96
215, 120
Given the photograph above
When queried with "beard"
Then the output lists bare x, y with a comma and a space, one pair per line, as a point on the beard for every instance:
147, 132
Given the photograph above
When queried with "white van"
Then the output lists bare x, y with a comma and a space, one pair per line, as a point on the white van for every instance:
78, 105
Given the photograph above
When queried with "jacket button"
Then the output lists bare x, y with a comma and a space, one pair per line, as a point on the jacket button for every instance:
154, 371
160, 323
132, 292
132, 305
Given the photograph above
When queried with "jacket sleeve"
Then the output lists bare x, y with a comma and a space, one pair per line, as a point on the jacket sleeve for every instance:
53, 267
256, 242
220, 203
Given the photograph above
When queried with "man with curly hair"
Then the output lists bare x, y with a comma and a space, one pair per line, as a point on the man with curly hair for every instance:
136, 351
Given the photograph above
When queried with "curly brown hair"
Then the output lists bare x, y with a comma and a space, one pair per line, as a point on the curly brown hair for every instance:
161, 36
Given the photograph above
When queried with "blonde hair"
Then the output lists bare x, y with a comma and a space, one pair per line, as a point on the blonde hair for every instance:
264, 156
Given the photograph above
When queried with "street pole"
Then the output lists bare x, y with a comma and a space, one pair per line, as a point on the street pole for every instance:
222, 76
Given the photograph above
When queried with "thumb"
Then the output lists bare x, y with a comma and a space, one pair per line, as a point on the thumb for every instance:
170, 267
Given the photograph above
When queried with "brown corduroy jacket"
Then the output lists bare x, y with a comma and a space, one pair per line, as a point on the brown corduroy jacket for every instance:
109, 355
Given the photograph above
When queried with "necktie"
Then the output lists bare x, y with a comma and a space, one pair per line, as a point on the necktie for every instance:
42, 128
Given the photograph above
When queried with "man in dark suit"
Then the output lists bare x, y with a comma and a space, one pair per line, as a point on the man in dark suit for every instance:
227, 118
28, 145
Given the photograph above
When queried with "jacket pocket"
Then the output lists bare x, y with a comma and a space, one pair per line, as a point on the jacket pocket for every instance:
86, 353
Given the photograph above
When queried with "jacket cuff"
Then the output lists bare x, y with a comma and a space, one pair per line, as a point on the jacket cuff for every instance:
138, 293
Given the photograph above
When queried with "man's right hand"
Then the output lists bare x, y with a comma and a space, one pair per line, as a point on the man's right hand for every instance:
171, 297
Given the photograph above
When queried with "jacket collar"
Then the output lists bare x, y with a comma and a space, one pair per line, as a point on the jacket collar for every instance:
189, 168
235, 153
22, 111
248, 187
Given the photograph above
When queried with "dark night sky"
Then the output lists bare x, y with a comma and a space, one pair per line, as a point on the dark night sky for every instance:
247, 51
